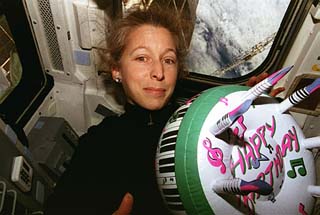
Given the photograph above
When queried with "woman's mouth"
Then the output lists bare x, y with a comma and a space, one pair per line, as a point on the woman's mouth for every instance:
155, 91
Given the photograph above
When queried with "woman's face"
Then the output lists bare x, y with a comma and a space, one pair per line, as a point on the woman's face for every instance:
148, 67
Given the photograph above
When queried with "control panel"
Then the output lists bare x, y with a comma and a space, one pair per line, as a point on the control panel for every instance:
22, 173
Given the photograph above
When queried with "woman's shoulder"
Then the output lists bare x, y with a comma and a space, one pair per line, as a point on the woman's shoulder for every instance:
107, 122
102, 131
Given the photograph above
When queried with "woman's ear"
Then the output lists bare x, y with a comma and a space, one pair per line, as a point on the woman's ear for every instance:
116, 74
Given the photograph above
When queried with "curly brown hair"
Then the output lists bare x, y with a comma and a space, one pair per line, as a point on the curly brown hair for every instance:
137, 17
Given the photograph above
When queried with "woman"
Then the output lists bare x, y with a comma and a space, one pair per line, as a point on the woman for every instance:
115, 159
114, 162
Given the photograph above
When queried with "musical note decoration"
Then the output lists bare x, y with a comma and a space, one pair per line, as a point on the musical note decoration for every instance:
297, 163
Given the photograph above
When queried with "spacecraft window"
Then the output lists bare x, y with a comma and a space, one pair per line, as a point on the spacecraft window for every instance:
10, 66
231, 38
24, 83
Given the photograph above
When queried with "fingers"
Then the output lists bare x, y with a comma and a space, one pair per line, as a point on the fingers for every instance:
256, 79
251, 82
262, 76
125, 206
276, 91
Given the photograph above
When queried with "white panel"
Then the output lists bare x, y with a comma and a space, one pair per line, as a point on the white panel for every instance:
63, 35
82, 23
97, 23
69, 104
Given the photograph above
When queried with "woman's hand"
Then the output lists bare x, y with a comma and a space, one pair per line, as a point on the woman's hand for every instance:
256, 79
125, 206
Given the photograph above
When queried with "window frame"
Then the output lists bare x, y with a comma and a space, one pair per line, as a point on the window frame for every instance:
35, 84
279, 50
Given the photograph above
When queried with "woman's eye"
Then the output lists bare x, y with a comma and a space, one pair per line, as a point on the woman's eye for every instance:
169, 61
141, 59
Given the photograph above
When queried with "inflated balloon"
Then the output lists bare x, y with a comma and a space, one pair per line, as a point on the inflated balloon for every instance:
228, 151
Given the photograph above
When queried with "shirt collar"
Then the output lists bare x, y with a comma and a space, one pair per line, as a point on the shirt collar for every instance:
147, 117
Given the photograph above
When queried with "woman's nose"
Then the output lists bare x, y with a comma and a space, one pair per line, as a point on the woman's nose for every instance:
157, 71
